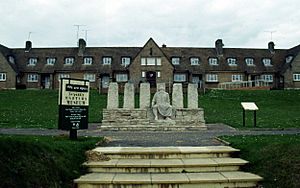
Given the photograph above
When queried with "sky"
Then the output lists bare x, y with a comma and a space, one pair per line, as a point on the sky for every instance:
176, 23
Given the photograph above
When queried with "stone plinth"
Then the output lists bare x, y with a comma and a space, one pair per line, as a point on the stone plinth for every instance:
113, 96
129, 96
144, 95
192, 96
177, 96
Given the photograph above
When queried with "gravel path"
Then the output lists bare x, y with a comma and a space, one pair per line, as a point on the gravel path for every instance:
158, 138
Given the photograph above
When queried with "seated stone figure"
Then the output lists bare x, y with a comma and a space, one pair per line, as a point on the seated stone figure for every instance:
161, 104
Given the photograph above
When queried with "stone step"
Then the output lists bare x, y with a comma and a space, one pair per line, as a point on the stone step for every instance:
150, 128
165, 152
168, 180
166, 165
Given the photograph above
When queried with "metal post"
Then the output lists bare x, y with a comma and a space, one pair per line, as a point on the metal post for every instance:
73, 134
244, 122
254, 118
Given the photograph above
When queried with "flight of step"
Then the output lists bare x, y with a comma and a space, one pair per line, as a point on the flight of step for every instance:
167, 167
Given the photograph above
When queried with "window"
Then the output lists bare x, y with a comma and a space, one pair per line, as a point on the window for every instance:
213, 61
267, 61
179, 77
87, 60
212, 78
122, 77
249, 61
69, 61
2, 77
296, 77
105, 81
32, 78
175, 60
50, 60
125, 61
267, 77
106, 60
11, 59
195, 61
231, 61
289, 59
89, 77
63, 75
151, 61
32, 61
236, 78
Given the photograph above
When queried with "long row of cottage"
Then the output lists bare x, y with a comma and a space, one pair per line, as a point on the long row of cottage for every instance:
208, 67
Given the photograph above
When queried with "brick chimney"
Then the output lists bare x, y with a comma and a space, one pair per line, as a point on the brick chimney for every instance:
219, 47
28, 46
271, 47
81, 47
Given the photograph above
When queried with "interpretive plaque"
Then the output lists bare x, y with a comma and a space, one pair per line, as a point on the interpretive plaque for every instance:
73, 105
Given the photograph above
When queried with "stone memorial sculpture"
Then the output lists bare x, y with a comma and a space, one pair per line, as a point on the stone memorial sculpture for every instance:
161, 104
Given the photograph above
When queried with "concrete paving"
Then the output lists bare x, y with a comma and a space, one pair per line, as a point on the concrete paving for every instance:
158, 138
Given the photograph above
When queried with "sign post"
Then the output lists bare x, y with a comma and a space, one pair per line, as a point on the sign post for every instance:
251, 106
73, 105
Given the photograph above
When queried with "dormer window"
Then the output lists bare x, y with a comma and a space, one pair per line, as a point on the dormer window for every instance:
125, 61
11, 59
87, 60
231, 61
249, 61
267, 62
50, 60
106, 60
289, 59
175, 60
32, 61
213, 61
69, 61
195, 61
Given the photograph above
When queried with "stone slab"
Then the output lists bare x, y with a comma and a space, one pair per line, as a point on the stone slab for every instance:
113, 96
129, 96
177, 96
132, 179
230, 161
166, 163
205, 177
192, 96
105, 178
169, 178
144, 95
241, 176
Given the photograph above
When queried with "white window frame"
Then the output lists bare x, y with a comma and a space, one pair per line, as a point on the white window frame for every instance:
106, 60
158, 74
151, 61
296, 77
32, 61
143, 74
267, 62
50, 60
90, 77
63, 75
212, 78
213, 61
69, 60
267, 78
236, 78
249, 61
2, 77
121, 77
88, 60
232, 61
179, 77
195, 61
175, 60
32, 78
125, 61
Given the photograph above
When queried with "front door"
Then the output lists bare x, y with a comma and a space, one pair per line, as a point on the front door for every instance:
151, 78
46, 82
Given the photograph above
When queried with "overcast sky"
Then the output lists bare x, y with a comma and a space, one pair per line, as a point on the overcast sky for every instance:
195, 23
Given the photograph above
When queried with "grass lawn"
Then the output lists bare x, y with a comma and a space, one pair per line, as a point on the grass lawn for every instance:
39, 109
42, 161
277, 108
275, 158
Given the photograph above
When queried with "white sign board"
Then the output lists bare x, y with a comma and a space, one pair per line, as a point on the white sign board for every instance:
249, 106
74, 92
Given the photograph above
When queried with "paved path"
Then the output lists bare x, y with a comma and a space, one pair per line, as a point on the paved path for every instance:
157, 138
